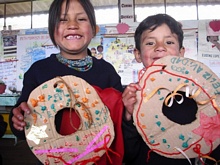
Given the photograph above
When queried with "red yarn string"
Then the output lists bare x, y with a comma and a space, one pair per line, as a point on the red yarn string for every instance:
197, 150
93, 160
106, 141
138, 123
141, 72
148, 155
178, 152
60, 158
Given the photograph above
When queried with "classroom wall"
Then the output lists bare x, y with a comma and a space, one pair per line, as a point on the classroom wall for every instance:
20, 48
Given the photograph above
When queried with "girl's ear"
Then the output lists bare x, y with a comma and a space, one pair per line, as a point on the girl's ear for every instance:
137, 55
182, 51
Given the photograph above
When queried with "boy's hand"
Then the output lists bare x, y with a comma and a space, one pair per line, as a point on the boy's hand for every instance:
129, 99
18, 116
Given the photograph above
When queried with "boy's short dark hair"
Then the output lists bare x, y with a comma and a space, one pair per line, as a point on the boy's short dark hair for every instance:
154, 21
55, 11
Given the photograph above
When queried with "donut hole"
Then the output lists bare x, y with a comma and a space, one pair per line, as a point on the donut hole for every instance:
66, 127
181, 113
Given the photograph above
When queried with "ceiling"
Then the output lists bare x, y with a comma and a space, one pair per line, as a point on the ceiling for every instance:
22, 7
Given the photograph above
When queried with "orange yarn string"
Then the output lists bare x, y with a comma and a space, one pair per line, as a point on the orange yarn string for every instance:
215, 104
106, 141
175, 93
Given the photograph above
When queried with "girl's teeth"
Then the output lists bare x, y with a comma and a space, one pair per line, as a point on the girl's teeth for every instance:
72, 37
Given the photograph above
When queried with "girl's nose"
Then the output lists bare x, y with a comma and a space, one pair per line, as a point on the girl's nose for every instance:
72, 24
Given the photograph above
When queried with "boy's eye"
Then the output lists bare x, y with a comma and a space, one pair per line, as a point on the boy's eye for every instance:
150, 43
170, 42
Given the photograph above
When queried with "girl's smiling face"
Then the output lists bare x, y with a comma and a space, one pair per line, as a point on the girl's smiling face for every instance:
74, 31
157, 44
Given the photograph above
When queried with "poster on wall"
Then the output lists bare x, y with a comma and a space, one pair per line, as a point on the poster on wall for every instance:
115, 44
31, 48
8, 73
96, 47
8, 58
119, 52
209, 44
8, 51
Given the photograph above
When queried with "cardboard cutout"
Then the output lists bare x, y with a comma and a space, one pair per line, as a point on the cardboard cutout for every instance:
177, 112
92, 138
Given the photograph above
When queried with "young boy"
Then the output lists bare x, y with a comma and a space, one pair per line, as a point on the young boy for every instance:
157, 36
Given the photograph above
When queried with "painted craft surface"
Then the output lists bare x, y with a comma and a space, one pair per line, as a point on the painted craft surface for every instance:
173, 85
88, 143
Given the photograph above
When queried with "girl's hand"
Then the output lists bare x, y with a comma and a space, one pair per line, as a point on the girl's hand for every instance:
129, 99
18, 116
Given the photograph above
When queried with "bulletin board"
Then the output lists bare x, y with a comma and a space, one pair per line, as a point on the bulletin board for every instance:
31, 48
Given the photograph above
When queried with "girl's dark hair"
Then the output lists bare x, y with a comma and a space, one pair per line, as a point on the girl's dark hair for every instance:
154, 21
55, 12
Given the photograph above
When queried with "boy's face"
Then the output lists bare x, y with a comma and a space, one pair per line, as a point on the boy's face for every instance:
157, 44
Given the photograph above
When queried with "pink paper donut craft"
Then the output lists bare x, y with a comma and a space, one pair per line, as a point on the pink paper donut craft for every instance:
177, 112
88, 143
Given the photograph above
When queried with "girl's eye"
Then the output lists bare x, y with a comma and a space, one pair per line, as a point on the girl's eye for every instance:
62, 20
82, 19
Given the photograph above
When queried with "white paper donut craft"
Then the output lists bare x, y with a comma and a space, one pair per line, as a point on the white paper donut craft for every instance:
177, 113
85, 145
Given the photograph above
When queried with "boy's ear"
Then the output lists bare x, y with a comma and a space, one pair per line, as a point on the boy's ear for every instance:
182, 51
137, 55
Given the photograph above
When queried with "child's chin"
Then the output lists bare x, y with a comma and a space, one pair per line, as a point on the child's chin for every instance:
155, 59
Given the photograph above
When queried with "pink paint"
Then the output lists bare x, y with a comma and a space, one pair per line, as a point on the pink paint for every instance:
87, 151
96, 137
89, 148
56, 150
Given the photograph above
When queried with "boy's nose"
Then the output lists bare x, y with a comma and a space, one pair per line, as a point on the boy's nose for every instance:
160, 47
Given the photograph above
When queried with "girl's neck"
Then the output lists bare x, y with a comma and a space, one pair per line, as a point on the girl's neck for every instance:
81, 65
72, 56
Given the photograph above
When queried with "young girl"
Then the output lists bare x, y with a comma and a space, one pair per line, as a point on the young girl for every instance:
72, 25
